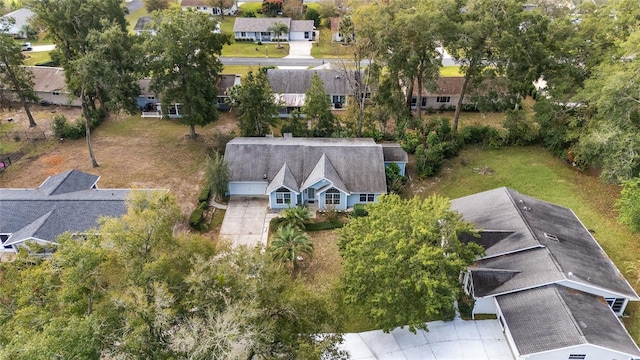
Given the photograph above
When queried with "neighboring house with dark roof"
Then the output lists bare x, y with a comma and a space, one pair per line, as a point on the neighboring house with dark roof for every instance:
203, 6
142, 26
320, 172
290, 87
50, 86
260, 29
554, 290
69, 201
21, 17
150, 105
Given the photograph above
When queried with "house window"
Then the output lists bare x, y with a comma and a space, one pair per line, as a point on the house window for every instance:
221, 99
338, 101
197, 7
616, 304
332, 197
577, 356
204, 8
424, 101
306, 34
367, 197
55, 93
283, 196
414, 101
243, 34
151, 97
443, 99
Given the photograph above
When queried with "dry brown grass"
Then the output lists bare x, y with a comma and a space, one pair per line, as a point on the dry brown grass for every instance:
325, 264
132, 152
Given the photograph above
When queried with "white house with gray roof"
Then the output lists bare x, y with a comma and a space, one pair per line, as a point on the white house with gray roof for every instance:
321, 172
69, 201
261, 29
20, 18
554, 290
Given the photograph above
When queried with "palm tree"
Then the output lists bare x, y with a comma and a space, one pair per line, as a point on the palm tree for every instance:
295, 216
290, 245
279, 28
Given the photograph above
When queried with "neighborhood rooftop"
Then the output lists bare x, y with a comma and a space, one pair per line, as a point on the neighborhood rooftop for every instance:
285, 81
258, 24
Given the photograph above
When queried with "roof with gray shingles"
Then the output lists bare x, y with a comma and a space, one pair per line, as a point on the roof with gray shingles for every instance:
555, 317
394, 152
258, 24
64, 202
142, 23
357, 163
529, 219
21, 17
284, 81
48, 79
301, 25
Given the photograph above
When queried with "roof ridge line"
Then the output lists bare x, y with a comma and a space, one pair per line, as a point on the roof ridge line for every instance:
566, 308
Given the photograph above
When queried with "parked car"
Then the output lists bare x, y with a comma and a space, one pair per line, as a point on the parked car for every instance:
27, 46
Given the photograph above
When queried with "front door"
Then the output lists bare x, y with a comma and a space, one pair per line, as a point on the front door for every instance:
311, 195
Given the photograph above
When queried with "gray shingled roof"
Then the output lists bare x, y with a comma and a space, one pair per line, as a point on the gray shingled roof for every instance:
142, 23
301, 25
285, 81
258, 24
21, 17
285, 178
394, 152
357, 163
575, 252
556, 317
64, 202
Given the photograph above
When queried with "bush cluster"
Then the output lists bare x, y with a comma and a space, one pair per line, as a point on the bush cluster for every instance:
63, 129
197, 220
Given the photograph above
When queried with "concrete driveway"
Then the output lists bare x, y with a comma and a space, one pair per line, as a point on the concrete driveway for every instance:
246, 221
299, 50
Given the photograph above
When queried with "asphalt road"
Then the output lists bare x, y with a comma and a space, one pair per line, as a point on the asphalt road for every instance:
296, 62
133, 5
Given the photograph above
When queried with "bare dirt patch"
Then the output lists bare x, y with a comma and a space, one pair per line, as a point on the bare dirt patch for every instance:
43, 116
132, 152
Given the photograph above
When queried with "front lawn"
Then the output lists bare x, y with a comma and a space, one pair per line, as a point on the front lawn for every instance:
249, 49
33, 58
325, 48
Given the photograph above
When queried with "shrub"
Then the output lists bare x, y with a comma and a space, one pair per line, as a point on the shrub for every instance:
196, 219
63, 129
325, 225
429, 160
359, 210
249, 14
204, 194
520, 131
313, 14
410, 141
465, 305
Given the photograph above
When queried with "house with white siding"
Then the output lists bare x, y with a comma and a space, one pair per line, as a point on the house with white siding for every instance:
205, 7
555, 292
319, 172
261, 29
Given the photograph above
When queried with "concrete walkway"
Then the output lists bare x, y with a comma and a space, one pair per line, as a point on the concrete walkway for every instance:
300, 50
453, 340
246, 221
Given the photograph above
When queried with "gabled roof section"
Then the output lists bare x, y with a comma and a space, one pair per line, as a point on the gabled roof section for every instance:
142, 23
296, 81
28, 231
539, 226
285, 178
301, 25
324, 170
48, 79
555, 317
258, 24
490, 279
68, 182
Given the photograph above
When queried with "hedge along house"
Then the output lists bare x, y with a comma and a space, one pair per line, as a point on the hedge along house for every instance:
555, 292
69, 201
261, 29
320, 172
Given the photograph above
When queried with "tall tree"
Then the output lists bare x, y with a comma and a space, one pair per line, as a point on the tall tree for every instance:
402, 261
279, 28
80, 48
185, 64
12, 72
254, 103
317, 107
497, 40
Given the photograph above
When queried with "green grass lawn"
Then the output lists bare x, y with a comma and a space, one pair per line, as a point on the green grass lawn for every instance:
249, 49
32, 58
239, 69
325, 48
249, 6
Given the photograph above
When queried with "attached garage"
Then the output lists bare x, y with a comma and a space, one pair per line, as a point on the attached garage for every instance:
247, 188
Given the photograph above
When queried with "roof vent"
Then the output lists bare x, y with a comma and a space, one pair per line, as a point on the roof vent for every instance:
526, 208
551, 237
264, 176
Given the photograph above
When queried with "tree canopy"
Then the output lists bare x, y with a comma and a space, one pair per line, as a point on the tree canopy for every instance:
185, 64
402, 261
254, 103
135, 290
